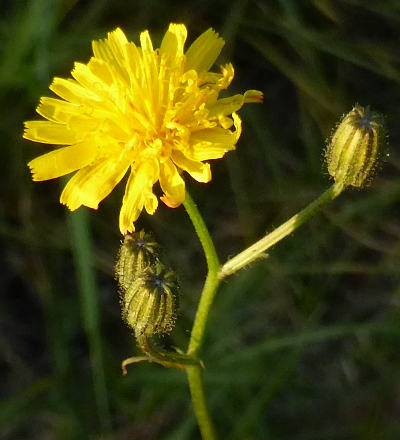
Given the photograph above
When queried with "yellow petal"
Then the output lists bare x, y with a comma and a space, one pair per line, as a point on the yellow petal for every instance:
204, 51
86, 78
209, 150
198, 170
112, 48
149, 78
107, 115
57, 110
101, 69
51, 133
253, 96
83, 120
71, 91
90, 185
169, 202
172, 183
173, 43
238, 125
150, 203
113, 51
145, 42
226, 106
138, 193
213, 143
215, 135
63, 161
220, 81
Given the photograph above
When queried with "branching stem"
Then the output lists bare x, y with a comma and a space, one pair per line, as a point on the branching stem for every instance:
214, 276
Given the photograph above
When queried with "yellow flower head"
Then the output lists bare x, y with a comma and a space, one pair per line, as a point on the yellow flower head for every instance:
155, 111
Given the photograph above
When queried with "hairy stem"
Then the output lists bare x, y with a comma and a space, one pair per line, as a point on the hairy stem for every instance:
256, 251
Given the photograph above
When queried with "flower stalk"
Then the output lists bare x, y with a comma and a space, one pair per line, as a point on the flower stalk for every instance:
257, 250
194, 373
195, 378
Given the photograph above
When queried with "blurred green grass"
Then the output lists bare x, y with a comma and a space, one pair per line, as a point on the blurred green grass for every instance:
303, 345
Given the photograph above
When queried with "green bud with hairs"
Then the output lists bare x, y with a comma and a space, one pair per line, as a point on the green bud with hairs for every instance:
138, 252
356, 147
147, 288
149, 304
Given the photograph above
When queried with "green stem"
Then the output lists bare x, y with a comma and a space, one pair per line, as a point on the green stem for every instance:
257, 250
194, 373
203, 234
195, 378
212, 281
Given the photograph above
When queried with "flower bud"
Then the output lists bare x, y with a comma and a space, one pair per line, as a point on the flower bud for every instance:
149, 303
137, 253
356, 147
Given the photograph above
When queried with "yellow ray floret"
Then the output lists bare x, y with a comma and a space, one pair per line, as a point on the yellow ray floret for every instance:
154, 112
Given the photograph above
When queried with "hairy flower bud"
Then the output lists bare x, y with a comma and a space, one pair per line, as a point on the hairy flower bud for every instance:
356, 147
137, 253
149, 303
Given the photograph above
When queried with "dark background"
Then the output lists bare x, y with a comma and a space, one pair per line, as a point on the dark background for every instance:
303, 345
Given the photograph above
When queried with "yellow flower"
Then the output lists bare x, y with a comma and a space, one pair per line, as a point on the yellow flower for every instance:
155, 111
